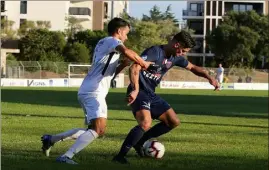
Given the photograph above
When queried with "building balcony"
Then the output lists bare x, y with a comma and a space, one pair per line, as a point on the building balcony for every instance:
83, 14
189, 14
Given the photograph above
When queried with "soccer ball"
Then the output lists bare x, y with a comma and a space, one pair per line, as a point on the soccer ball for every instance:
154, 148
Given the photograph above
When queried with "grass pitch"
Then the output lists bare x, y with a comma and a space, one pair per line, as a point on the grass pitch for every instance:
219, 130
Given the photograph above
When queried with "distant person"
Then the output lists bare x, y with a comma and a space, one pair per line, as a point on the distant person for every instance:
240, 80
248, 79
220, 73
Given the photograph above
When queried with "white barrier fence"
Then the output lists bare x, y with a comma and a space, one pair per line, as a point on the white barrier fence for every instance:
57, 82
76, 82
206, 85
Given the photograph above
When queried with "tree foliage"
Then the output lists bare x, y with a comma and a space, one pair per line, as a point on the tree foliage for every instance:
90, 38
240, 39
74, 26
7, 31
38, 43
76, 52
156, 15
29, 25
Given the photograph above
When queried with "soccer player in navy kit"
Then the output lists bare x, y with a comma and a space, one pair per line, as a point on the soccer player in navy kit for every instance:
145, 104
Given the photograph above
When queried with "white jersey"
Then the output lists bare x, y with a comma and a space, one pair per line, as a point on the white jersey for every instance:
105, 62
220, 72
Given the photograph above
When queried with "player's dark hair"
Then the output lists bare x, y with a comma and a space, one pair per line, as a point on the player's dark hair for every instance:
185, 39
115, 24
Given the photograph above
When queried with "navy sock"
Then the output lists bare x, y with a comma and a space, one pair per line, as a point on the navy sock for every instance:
157, 130
132, 138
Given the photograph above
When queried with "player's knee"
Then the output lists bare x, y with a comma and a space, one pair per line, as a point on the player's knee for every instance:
174, 123
100, 131
145, 125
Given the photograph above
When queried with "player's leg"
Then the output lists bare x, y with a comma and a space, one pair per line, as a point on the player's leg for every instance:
161, 110
96, 115
144, 122
49, 140
219, 80
141, 111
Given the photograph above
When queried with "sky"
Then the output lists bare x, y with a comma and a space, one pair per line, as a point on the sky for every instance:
138, 8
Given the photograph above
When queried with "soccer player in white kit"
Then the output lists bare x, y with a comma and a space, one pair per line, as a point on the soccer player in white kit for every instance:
94, 88
220, 73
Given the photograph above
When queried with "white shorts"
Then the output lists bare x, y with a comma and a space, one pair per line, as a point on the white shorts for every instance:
220, 79
94, 107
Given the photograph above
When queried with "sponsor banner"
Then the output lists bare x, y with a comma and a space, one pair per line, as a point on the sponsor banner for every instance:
37, 82
185, 85
13, 82
251, 86
206, 85
58, 82
227, 86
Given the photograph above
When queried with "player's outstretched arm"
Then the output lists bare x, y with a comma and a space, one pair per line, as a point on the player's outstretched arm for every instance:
201, 73
132, 56
134, 79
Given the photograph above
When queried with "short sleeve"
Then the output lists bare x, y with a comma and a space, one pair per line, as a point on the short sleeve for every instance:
181, 62
150, 54
113, 43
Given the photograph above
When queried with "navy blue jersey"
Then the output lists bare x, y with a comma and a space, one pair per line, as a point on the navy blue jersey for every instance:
149, 81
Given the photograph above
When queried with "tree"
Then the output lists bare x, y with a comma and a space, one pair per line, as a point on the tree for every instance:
76, 52
29, 25
228, 40
168, 15
232, 45
43, 24
90, 38
257, 23
74, 26
154, 15
7, 31
144, 35
37, 43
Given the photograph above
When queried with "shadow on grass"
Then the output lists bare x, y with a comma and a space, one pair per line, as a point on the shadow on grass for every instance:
228, 106
133, 120
32, 160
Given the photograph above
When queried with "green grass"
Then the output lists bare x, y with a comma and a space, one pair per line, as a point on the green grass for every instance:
219, 130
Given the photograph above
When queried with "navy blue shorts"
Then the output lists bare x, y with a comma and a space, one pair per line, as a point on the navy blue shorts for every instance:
149, 101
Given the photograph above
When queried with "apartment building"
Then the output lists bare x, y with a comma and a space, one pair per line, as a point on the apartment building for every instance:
91, 14
204, 15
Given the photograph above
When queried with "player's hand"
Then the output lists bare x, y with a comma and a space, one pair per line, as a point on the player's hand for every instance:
214, 83
154, 68
131, 97
147, 64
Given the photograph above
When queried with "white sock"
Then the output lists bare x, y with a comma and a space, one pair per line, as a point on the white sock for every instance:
83, 140
71, 134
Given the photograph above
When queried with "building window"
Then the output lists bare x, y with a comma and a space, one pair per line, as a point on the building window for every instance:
193, 7
79, 11
249, 7
242, 7
105, 10
3, 6
23, 7
22, 21
236, 7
